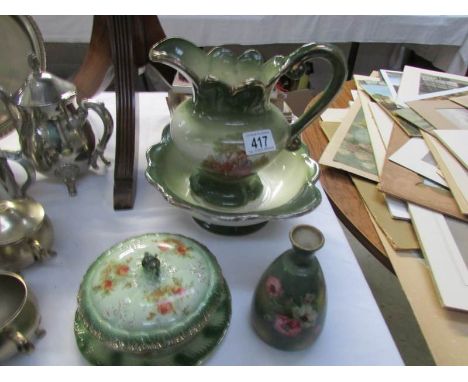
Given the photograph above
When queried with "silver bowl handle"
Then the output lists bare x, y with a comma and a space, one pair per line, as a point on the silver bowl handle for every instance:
39, 252
23, 345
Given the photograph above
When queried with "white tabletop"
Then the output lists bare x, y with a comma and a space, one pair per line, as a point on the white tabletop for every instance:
86, 225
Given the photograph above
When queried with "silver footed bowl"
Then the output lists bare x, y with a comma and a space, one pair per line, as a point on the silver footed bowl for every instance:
288, 189
26, 234
19, 218
19, 316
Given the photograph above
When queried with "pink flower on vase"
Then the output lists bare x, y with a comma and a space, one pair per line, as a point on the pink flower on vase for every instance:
273, 286
287, 326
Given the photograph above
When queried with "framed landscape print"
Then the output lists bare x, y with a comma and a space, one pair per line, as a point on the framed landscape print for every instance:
380, 93
350, 148
415, 119
377, 143
442, 114
417, 84
393, 80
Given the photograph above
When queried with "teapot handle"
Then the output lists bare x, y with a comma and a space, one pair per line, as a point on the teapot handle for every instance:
293, 64
6, 172
108, 123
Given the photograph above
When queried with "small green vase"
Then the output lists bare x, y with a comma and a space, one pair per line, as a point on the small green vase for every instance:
289, 305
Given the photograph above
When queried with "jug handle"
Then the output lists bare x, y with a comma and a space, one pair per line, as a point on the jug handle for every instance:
294, 62
108, 123
18, 156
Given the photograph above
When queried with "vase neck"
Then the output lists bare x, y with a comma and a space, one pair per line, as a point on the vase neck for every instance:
305, 241
302, 258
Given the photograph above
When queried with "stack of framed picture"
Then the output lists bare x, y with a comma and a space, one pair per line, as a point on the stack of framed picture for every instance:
404, 142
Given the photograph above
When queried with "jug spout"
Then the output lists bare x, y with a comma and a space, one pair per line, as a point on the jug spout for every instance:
181, 55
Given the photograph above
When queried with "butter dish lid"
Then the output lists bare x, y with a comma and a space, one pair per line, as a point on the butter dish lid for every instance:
150, 292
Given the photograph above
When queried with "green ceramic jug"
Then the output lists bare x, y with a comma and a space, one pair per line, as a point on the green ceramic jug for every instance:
290, 301
229, 130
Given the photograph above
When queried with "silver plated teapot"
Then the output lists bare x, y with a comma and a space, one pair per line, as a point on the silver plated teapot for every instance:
53, 126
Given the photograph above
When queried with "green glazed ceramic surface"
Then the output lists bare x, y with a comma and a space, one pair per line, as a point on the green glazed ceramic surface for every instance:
229, 130
288, 187
228, 230
289, 304
193, 352
149, 294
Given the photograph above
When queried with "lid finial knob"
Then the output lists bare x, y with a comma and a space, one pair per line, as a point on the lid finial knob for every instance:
151, 264
34, 63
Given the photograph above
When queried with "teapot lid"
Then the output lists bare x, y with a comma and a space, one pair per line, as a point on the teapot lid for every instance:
150, 292
42, 88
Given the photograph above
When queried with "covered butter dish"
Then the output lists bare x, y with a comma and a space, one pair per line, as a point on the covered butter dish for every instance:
154, 299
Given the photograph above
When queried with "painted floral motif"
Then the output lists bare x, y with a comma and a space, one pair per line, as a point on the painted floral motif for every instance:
112, 275
164, 296
165, 307
173, 289
176, 246
122, 269
287, 326
232, 160
107, 285
273, 286
133, 294
234, 163
178, 290
305, 314
289, 316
